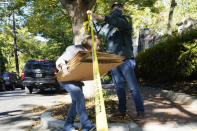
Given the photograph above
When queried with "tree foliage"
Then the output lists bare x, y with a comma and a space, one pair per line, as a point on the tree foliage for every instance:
28, 47
50, 19
46, 17
2, 62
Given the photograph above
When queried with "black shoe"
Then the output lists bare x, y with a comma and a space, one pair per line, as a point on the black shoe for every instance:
139, 116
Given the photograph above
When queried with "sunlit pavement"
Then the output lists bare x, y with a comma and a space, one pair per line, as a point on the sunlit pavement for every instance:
162, 113
14, 105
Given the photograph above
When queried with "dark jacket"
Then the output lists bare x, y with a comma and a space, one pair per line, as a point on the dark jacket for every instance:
117, 31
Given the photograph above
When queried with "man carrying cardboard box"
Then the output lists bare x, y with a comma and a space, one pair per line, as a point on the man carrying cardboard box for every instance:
75, 87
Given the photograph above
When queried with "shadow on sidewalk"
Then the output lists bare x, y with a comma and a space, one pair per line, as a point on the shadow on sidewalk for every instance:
160, 110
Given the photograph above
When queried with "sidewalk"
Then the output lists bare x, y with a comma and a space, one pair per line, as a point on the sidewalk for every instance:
165, 111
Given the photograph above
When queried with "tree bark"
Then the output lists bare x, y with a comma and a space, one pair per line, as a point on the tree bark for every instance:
77, 10
170, 19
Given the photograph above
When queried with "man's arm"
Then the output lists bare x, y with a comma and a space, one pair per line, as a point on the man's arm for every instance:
116, 20
100, 29
61, 63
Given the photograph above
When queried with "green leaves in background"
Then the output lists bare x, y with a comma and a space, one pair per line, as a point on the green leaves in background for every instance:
48, 18
172, 59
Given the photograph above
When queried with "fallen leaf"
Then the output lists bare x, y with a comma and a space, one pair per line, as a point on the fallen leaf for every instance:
168, 113
154, 118
168, 119
186, 88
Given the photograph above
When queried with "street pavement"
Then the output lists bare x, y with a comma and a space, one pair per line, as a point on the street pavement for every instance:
14, 105
165, 111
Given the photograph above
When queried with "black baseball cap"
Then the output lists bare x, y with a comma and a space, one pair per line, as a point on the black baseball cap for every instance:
118, 4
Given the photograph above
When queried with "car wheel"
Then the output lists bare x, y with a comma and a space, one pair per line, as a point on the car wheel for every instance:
57, 88
7, 88
42, 91
28, 90
13, 87
3, 87
22, 87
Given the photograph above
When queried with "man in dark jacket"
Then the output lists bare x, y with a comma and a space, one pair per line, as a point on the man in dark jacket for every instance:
117, 31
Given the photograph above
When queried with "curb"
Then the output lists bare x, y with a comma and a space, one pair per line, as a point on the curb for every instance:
180, 98
48, 122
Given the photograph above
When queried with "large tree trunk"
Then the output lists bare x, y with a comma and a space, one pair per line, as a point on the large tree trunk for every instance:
77, 10
173, 4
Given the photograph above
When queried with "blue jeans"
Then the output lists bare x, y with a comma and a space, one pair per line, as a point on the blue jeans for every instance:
77, 107
120, 74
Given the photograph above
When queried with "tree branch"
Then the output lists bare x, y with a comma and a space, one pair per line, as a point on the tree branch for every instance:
67, 3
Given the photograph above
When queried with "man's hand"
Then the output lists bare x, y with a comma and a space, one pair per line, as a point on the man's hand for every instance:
89, 12
98, 17
65, 69
95, 16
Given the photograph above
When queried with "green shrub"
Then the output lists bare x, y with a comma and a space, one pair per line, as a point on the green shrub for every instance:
174, 58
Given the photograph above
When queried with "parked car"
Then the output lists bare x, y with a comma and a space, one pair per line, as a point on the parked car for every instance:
39, 74
12, 81
2, 84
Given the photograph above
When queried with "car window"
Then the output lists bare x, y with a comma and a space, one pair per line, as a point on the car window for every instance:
40, 65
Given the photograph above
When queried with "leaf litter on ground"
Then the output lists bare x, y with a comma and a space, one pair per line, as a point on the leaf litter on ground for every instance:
60, 111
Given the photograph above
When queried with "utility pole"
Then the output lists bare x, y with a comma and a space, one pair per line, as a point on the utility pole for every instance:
15, 45
6, 3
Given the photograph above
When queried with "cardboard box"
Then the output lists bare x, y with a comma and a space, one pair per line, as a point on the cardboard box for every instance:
81, 66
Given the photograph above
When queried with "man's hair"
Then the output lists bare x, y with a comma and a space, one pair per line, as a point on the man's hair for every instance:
87, 41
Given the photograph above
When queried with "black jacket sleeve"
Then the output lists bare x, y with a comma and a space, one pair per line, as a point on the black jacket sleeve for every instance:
117, 20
